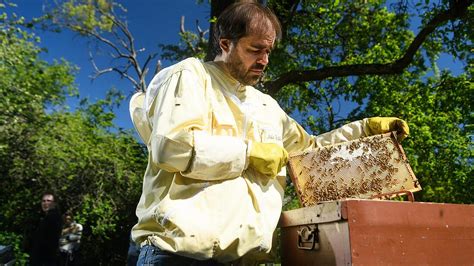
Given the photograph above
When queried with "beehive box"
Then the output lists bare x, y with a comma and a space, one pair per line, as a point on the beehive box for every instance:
378, 232
370, 167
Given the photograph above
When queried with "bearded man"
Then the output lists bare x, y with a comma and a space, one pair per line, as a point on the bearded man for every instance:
215, 180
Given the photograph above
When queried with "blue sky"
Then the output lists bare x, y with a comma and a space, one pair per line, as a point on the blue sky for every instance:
151, 22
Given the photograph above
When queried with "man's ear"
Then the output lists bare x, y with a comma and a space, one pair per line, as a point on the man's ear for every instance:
225, 44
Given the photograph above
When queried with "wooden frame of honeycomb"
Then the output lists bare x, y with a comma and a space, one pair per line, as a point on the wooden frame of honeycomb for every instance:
369, 167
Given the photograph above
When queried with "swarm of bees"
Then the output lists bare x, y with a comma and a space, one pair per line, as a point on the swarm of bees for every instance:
363, 168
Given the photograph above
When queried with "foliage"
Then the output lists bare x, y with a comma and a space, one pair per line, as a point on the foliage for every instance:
96, 174
440, 146
324, 34
27, 86
94, 169
85, 16
15, 241
191, 45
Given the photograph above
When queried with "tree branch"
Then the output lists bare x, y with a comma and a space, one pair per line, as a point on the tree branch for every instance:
456, 11
122, 73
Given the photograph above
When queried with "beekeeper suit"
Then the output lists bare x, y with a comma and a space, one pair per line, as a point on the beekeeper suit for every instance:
200, 197
215, 180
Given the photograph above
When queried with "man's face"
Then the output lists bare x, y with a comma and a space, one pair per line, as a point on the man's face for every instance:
47, 202
248, 57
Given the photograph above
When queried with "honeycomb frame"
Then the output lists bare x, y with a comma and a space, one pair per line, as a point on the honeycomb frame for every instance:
365, 168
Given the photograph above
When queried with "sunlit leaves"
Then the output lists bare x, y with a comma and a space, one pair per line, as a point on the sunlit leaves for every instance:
94, 169
86, 15
322, 34
439, 147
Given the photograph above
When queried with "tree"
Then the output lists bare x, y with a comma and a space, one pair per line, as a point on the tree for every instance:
97, 176
440, 147
102, 21
440, 136
27, 86
453, 11
94, 169
328, 41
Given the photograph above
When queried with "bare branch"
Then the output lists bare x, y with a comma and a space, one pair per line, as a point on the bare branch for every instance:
122, 42
200, 31
198, 27
101, 39
181, 25
158, 67
149, 58
122, 73
456, 11
123, 28
129, 46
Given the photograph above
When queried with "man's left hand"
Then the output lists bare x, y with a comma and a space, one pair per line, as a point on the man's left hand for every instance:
381, 125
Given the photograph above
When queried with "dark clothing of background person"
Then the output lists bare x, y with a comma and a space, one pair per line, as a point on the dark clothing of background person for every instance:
45, 242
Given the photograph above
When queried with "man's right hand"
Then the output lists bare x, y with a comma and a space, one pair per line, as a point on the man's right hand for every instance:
267, 158
381, 125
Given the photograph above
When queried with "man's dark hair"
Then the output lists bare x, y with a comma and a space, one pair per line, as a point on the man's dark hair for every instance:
240, 19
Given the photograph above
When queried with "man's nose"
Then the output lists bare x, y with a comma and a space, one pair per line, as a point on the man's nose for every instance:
263, 59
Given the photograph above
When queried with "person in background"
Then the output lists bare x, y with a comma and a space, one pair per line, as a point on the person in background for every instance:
213, 189
45, 241
70, 240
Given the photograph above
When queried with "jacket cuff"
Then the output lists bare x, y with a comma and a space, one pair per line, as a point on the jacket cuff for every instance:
217, 157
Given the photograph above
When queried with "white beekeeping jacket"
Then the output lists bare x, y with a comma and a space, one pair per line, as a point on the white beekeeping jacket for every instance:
199, 197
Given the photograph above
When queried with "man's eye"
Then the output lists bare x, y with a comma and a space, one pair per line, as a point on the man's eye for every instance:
260, 51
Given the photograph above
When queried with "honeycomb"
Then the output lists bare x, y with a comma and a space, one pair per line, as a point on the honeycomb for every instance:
365, 168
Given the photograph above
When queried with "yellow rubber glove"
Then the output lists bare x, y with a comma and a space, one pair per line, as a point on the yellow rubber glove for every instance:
267, 158
381, 125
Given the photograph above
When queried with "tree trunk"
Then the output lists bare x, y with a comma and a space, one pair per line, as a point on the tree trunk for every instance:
217, 6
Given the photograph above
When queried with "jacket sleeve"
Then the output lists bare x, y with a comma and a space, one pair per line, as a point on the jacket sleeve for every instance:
297, 139
180, 141
347, 132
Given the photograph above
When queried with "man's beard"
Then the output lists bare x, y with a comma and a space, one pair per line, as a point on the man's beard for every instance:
238, 71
